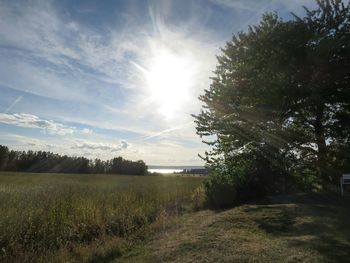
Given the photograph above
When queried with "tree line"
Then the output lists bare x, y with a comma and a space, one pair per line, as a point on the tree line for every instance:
48, 162
277, 113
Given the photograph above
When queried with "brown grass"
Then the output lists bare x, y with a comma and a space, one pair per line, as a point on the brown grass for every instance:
84, 218
308, 229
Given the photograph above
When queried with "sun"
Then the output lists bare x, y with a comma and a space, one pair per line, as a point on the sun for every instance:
169, 79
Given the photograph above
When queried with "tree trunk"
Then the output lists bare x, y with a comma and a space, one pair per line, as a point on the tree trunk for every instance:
321, 150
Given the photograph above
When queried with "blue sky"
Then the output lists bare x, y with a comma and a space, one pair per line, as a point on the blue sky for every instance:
115, 78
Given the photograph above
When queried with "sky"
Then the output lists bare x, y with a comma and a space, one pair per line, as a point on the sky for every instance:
102, 79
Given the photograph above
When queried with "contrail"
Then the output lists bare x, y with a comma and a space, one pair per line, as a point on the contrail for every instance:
142, 69
147, 137
18, 99
154, 20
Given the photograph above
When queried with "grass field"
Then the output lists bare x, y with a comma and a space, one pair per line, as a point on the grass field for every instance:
62, 217
290, 229
105, 218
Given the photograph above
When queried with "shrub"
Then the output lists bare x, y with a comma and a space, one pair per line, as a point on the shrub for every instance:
230, 184
220, 191
239, 180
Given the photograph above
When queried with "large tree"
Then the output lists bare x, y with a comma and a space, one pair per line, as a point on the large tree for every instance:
281, 94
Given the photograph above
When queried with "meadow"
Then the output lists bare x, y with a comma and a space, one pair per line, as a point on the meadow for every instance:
55, 217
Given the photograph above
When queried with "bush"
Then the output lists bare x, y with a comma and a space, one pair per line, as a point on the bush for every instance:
220, 191
239, 180
224, 190
232, 183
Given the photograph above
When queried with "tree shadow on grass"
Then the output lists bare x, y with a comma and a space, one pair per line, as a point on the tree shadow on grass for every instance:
318, 223
106, 256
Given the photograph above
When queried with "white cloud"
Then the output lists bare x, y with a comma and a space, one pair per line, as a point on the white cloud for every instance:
250, 5
59, 58
73, 49
32, 121
86, 131
88, 145
263, 5
78, 50
54, 56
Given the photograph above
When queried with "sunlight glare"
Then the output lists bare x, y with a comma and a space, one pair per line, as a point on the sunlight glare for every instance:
169, 79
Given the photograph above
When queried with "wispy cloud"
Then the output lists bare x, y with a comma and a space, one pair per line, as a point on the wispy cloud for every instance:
60, 58
89, 76
157, 134
17, 100
32, 121
262, 5
250, 5
76, 55
101, 146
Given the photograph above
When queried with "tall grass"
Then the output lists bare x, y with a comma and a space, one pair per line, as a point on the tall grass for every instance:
41, 213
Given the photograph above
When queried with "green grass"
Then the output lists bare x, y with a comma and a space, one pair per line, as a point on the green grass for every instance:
62, 217
303, 229
105, 218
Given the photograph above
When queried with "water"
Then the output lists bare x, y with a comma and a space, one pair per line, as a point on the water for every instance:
170, 169
165, 171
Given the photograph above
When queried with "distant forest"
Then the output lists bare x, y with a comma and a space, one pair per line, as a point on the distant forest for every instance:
48, 162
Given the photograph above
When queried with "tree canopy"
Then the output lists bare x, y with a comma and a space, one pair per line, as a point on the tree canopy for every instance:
280, 98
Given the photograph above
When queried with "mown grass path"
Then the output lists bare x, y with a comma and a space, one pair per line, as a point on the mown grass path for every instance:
298, 229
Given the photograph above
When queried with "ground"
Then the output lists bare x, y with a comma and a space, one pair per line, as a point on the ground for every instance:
282, 229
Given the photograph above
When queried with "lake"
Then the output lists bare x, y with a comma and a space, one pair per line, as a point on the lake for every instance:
165, 171
170, 169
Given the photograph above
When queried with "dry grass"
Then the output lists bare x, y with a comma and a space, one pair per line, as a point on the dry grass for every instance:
84, 218
99, 218
309, 229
